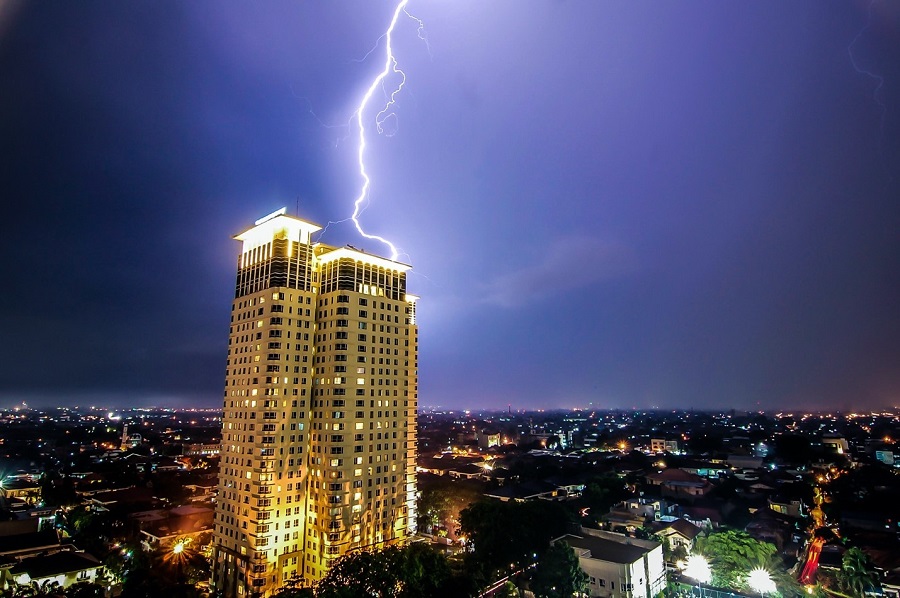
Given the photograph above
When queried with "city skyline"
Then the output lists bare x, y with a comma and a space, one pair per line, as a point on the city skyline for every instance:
615, 205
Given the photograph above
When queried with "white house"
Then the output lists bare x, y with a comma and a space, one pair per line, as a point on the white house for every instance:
618, 566
63, 568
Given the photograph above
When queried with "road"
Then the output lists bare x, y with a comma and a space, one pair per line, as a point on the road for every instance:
808, 572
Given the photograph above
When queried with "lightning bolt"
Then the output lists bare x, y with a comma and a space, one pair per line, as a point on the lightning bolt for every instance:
874, 76
390, 67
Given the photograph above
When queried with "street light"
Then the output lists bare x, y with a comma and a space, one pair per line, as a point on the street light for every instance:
178, 554
760, 580
697, 568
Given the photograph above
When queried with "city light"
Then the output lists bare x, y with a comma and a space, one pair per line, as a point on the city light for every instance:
760, 580
697, 568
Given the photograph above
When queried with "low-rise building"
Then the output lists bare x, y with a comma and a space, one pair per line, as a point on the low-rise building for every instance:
161, 527
680, 532
527, 491
679, 483
201, 450
662, 445
24, 489
618, 566
837, 444
64, 568
488, 439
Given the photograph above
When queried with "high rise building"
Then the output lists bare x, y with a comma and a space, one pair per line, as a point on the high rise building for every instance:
319, 428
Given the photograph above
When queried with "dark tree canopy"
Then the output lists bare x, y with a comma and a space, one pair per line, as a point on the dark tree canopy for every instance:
413, 570
505, 534
558, 574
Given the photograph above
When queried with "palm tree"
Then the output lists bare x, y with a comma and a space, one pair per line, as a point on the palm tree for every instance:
856, 574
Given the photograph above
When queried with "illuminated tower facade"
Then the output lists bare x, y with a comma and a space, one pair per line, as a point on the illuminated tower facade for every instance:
319, 428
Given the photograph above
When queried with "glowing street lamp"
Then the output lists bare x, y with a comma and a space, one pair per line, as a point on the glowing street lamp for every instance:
178, 554
697, 568
760, 580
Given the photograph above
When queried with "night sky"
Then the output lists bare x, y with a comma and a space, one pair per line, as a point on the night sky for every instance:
618, 203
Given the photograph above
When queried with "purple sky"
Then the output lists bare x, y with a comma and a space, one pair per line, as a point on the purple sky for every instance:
677, 204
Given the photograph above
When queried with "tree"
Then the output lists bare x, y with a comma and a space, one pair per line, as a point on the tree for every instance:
91, 530
793, 448
162, 572
509, 590
856, 574
670, 554
45, 589
292, 589
731, 554
558, 574
57, 489
511, 534
603, 492
85, 589
441, 501
413, 570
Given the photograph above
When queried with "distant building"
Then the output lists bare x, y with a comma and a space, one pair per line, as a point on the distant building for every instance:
468, 472
635, 513
792, 507
838, 444
531, 490
487, 439
201, 450
618, 566
662, 445
679, 483
702, 517
25, 490
704, 469
744, 461
886, 457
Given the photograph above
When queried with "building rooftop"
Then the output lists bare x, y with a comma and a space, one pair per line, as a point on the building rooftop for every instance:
604, 549
685, 528
38, 567
30, 542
